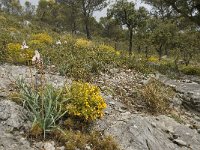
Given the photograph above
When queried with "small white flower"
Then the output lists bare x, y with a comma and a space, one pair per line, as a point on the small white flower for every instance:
65, 42
58, 42
36, 58
24, 46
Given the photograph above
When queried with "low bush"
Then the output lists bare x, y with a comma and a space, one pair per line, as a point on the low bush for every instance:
85, 101
77, 140
153, 59
106, 48
42, 38
16, 55
82, 43
190, 70
156, 96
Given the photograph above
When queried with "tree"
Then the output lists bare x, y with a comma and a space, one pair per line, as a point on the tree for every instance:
11, 6
42, 9
163, 35
16, 7
29, 9
126, 14
73, 13
188, 45
187, 8
111, 29
87, 8
6, 5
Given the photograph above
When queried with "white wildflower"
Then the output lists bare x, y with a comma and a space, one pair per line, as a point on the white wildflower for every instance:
58, 42
37, 58
24, 46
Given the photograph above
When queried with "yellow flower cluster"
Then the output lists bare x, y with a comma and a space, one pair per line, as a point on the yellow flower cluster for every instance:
42, 38
17, 55
67, 38
153, 59
2, 19
14, 48
12, 29
85, 101
82, 43
106, 48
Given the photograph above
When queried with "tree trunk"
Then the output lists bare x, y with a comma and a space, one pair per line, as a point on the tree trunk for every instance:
146, 51
86, 19
115, 45
160, 52
139, 49
74, 28
130, 40
166, 51
87, 28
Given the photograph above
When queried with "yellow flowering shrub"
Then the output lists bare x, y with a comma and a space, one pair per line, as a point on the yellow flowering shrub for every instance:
153, 59
12, 29
42, 38
17, 55
106, 48
85, 101
36, 44
68, 38
82, 43
2, 19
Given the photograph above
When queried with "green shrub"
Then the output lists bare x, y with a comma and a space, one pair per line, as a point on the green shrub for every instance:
190, 70
82, 43
17, 55
85, 101
153, 59
42, 38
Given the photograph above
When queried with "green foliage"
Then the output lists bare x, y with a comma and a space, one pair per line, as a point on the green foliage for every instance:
188, 8
190, 70
85, 101
153, 59
126, 14
16, 55
44, 106
82, 58
82, 44
156, 96
42, 38
177, 118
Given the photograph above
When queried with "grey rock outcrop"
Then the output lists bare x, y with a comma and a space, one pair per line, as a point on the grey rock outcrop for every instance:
138, 132
189, 91
12, 121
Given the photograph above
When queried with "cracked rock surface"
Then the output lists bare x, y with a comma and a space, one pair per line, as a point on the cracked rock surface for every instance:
133, 130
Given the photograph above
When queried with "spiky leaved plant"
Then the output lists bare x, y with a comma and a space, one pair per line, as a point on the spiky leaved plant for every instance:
44, 105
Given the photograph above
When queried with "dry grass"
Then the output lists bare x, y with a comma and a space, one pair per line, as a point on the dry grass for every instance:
78, 140
156, 96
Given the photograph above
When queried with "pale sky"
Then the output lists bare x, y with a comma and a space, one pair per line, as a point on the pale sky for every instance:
99, 14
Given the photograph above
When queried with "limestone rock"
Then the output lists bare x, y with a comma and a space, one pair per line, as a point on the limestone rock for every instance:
189, 92
49, 145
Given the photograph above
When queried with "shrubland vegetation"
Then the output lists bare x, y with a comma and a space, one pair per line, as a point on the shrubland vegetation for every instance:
172, 36
65, 113
73, 43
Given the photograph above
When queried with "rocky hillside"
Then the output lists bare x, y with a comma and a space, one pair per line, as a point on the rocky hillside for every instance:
125, 117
